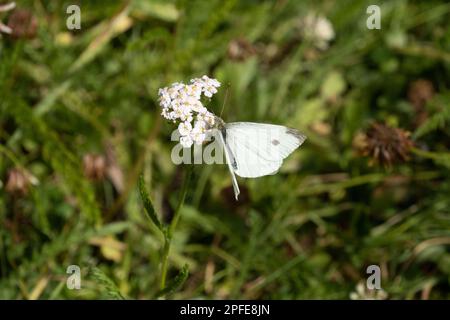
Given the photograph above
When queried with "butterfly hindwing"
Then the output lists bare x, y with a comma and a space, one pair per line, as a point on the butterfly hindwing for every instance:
229, 157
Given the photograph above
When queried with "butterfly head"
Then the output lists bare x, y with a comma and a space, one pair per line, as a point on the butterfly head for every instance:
218, 123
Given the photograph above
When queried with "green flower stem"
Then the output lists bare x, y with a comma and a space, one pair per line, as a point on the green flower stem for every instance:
9, 154
431, 155
168, 232
164, 263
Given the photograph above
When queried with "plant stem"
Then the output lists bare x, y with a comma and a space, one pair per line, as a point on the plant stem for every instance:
165, 257
169, 231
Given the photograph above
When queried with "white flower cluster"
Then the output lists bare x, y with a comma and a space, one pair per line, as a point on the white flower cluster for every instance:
363, 293
182, 102
319, 29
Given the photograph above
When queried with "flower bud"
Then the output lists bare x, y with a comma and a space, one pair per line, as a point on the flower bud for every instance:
94, 166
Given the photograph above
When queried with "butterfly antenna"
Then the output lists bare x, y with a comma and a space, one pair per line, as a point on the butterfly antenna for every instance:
224, 101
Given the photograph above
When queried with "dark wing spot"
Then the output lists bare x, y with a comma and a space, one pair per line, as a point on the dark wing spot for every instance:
301, 137
275, 142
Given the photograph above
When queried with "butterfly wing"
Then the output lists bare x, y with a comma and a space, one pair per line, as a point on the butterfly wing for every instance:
258, 148
231, 161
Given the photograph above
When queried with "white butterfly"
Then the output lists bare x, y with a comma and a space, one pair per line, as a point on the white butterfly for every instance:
255, 149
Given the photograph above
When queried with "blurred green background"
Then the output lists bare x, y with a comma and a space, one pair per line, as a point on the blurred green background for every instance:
80, 121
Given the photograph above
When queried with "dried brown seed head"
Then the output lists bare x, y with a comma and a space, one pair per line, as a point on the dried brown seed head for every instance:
420, 92
19, 181
23, 24
240, 49
385, 145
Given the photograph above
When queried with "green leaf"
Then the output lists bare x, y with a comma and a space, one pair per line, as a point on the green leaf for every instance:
51, 98
312, 110
106, 32
441, 158
61, 158
438, 120
176, 283
106, 283
159, 10
148, 204
333, 86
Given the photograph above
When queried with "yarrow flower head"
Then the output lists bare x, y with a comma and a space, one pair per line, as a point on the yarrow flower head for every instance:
182, 103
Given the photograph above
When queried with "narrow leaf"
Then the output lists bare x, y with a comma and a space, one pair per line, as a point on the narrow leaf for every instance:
176, 283
148, 204
106, 283
107, 31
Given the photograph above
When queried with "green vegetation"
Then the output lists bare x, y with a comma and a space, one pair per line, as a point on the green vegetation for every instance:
80, 123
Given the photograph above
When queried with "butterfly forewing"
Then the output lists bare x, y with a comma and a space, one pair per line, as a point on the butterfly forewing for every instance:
259, 149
